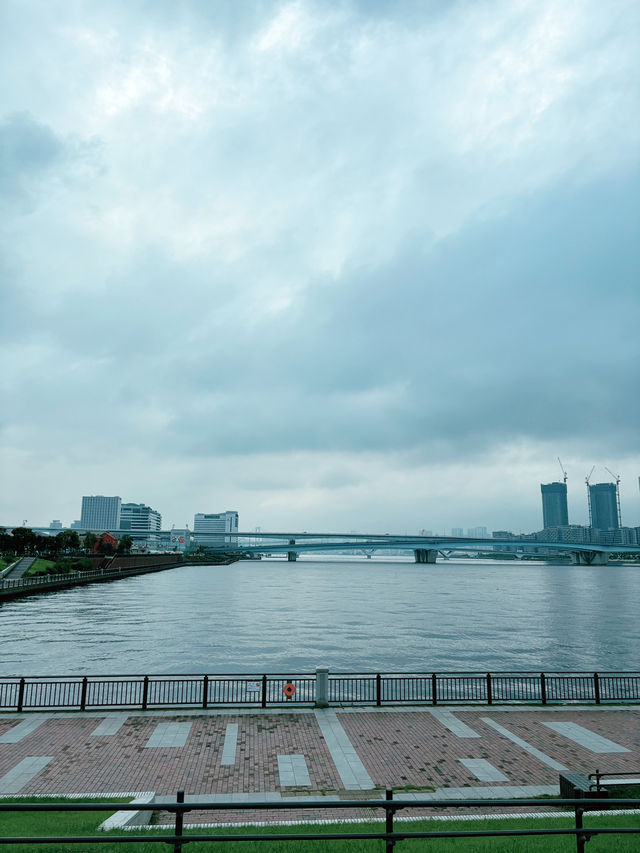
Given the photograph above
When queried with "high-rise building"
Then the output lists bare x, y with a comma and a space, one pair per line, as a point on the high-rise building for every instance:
207, 527
554, 505
100, 513
603, 506
139, 518
477, 532
457, 531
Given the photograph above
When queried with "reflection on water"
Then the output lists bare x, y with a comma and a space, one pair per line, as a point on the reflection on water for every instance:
350, 615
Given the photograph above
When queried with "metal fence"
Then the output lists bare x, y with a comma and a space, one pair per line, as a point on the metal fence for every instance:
392, 834
260, 691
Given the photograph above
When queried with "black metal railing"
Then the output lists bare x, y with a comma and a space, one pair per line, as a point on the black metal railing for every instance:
212, 690
393, 832
617, 779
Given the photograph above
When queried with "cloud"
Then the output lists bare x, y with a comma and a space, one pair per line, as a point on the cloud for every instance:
402, 234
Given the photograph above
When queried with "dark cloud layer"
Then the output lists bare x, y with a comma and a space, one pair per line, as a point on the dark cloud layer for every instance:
322, 248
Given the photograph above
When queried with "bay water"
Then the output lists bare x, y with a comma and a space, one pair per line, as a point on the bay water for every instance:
350, 614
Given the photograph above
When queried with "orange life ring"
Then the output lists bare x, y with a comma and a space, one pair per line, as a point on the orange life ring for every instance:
289, 689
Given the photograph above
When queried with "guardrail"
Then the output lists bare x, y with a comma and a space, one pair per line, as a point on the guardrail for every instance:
320, 688
392, 832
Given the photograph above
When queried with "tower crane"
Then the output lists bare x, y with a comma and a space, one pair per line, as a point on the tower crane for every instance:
564, 472
587, 478
616, 477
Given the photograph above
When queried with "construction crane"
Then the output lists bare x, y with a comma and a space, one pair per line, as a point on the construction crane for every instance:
616, 477
564, 472
587, 478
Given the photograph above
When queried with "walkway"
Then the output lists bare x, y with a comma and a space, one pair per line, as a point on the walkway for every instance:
23, 565
247, 756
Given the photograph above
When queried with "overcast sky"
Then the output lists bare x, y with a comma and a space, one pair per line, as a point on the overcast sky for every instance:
354, 265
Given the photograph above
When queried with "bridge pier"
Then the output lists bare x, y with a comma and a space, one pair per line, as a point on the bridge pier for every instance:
292, 556
589, 558
425, 555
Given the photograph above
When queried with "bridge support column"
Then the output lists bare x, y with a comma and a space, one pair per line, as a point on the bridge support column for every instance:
292, 556
425, 555
589, 558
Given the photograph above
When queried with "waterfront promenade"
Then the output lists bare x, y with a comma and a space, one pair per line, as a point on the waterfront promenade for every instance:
250, 755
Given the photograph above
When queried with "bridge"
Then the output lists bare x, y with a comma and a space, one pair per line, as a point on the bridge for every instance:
425, 548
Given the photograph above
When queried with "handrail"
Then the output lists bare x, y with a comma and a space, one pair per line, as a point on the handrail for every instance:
598, 775
391, 835
82, 692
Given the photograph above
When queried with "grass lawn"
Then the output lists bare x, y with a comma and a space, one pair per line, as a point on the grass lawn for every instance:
85, 823
4, 563
39, 566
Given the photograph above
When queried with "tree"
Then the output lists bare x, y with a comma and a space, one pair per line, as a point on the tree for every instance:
124, 545
68, 540
89, 542
24, 540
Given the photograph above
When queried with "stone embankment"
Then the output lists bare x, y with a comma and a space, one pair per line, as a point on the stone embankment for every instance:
104, 569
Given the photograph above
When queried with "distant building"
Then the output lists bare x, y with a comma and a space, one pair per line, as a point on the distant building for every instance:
139, 518
208, 527
603, 506
100, 512
477, 532
554, 505
175, 539
56, 524
457, 531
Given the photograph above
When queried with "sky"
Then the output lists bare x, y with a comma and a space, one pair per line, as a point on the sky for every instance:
352, 266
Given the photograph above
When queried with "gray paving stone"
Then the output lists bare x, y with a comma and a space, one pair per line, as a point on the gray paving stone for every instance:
30, 724
230, 745
111, 725
169, 735
451, 722
293, 771
351, 770
20, 775
483, 770
545, 759
586, 738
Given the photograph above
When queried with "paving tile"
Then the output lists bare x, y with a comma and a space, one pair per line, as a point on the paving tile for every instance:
293, 771
230, 744
15, 779
26, 727
169, 735
483, 770
586, 738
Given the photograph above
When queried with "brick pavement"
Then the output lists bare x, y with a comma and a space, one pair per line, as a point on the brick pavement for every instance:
406, 749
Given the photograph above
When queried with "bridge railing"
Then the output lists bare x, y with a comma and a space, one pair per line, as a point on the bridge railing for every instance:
147, 692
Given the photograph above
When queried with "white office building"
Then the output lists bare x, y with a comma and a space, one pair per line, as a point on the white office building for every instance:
139, 518
100, 513
208, 528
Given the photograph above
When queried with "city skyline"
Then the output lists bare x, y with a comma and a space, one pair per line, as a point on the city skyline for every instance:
555, 512
339, 266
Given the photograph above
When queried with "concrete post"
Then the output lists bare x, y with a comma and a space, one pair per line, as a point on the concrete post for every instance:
292, 556
322, 687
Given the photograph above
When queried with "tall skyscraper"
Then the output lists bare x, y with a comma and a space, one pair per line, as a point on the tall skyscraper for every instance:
554, 505
603, 506
139, 517
100, 513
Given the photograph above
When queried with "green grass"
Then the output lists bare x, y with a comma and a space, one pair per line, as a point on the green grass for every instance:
39, 567
85, 823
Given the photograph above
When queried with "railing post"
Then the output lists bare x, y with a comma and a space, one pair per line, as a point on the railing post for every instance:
322, 687
21, 694
205, 691
177, 847
596, 687
388, 823
378, 690
578, 812
83, 693
543, 688
434, 689
264, 691
145, 692
489, 692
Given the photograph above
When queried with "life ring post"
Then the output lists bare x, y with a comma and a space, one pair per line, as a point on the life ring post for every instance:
289, 689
